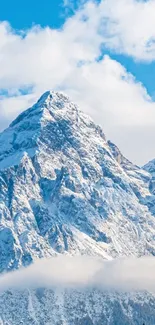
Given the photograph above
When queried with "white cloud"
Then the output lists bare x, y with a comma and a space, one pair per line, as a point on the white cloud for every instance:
12, 106
44, 58
132, 274
126, 26
120, 104
129, 27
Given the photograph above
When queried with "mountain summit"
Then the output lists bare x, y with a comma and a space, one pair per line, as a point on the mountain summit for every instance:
65, 189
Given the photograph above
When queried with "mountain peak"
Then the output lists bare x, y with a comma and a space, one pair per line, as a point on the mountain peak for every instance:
50, 124
64, 188
48, 95
52, 96
49, 100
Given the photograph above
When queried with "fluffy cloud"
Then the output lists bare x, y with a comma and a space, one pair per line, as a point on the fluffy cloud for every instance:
130, 274
129, 27
120, 104
12, 106
126, 26
70, 60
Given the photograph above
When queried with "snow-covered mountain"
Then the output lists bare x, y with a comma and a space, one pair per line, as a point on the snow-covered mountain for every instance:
65, 189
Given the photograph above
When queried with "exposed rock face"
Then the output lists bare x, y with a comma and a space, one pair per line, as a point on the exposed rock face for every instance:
65, 189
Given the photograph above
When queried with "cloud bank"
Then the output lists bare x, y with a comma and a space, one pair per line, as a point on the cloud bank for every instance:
132, 274
71, 60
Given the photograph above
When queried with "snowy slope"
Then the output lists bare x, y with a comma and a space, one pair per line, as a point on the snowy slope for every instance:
65, 189
68, 307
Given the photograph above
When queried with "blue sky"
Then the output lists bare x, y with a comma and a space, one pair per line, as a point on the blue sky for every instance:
90, 50
23, 15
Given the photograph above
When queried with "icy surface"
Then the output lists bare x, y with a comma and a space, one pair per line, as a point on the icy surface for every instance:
65, 189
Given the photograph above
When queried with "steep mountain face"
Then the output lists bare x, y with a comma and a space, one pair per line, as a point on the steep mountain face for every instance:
65, 189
